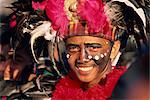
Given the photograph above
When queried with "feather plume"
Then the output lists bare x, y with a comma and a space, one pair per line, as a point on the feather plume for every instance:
139, 11
55, 12
90, 10
37, 32
39, 5
93, 12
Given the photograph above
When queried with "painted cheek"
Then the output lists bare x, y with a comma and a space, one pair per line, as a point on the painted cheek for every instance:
72, 59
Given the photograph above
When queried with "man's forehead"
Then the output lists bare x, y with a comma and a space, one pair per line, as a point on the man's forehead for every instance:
86, 40
86, 43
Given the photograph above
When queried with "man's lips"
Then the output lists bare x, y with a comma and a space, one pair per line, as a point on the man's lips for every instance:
84, 68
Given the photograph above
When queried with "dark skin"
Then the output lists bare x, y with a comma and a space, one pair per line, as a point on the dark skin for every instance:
88, 71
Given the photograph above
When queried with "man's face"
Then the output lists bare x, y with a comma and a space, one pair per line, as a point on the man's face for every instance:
88, 56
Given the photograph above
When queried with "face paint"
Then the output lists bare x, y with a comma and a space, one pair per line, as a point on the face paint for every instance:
88, 56
68, 56
101, 60
96, 57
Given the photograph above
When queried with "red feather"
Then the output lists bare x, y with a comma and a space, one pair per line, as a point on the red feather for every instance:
93, 12
55, 12
70, 89
90, 10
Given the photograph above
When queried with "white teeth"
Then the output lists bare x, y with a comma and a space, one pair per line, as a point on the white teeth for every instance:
85, 68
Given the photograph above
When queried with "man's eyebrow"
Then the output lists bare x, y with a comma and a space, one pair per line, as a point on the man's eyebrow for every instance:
92, 44
72, 44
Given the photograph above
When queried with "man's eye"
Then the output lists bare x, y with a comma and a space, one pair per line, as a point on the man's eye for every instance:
94, 48
73, 49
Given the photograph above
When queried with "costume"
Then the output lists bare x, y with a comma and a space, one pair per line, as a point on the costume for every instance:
54, 21
68, 88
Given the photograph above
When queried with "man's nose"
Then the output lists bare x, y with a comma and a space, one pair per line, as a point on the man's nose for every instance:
83, 55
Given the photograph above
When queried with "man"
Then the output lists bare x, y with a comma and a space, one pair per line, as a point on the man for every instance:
89, 62
90, 49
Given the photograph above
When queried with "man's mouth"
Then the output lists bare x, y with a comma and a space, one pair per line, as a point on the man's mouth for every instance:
85, 68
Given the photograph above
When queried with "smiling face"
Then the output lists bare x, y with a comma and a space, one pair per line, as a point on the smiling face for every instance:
88, 57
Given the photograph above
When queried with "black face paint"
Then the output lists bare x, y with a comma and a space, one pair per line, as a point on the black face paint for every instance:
100, 61
103, 60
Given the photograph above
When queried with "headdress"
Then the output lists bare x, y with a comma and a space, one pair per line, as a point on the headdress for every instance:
56, 19
78, 17
128, 22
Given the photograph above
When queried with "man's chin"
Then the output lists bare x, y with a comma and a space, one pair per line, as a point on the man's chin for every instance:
85, 79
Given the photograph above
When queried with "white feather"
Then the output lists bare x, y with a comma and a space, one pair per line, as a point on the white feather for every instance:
50, 35
37, 32
139, 11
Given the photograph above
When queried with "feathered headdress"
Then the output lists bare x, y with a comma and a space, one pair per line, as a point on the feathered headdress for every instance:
127, 20
73, 17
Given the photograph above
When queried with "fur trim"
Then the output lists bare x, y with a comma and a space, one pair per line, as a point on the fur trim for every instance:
67, 88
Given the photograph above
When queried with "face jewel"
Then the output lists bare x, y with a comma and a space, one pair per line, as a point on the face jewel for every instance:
89, 57
105, 53
68, 56
106, 42
102, 56
96, 57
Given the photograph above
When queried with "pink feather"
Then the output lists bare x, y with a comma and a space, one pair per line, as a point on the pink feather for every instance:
55, 12
93, 12
90, 10
13, 22
38, 5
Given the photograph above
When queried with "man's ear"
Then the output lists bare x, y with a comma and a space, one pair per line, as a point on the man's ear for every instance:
56, 55
115, 50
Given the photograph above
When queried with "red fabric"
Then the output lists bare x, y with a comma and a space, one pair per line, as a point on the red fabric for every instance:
68, 89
